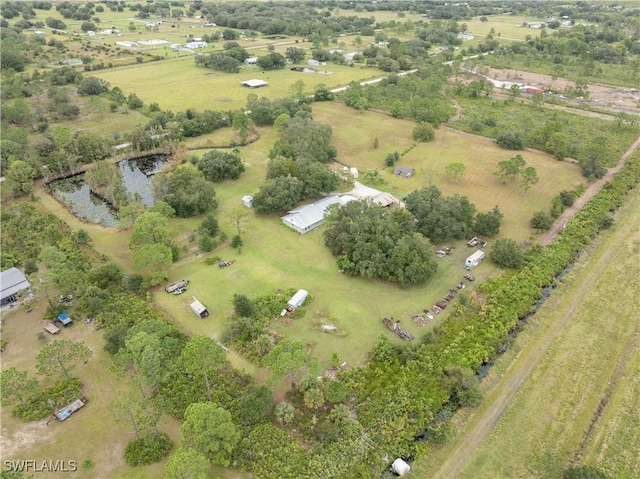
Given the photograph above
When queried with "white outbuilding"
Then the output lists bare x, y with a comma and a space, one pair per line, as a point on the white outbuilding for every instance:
247, 201
199, 309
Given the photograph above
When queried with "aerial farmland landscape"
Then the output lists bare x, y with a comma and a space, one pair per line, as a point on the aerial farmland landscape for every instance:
320, 239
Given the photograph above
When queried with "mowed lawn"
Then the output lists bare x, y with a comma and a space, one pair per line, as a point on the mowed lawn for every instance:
355, 133
594, 355
178, 84
505, 26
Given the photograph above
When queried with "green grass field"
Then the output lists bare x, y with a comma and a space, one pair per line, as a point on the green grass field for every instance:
593, 360
178, 84
354, 135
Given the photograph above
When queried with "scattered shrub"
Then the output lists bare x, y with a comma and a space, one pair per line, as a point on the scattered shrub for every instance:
149, 449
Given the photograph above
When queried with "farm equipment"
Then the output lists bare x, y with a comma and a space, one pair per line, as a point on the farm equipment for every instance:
224, 263
182, 284
393, 326
468, 277
473, 242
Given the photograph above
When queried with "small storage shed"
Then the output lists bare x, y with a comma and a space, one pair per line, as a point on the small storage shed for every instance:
247, 201
297, 299
199, 308
473, 260
400, 467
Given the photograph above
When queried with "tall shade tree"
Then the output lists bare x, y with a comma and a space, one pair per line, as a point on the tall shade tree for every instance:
129, 406
289, 358
16, 386
200, 357
529, 178
22, 174
61, 357
149, 227
209, 429
455, 171
189, 193
186, 463
153, 261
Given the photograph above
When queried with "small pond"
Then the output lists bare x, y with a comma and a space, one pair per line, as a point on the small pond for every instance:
78, 198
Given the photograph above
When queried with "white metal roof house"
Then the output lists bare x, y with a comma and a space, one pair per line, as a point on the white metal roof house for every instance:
251, 61
12, 281
308, 217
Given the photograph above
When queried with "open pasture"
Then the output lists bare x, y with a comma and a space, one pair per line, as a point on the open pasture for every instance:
595, 354
505, 26
355, 133
178, 84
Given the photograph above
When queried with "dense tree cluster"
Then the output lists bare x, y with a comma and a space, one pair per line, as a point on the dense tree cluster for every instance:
305, 139
218, 165
375, 242
186, 190
441, 217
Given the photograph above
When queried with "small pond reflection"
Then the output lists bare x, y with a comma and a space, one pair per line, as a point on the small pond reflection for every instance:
137, 175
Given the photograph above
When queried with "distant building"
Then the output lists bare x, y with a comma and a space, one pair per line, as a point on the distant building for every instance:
251, 61
195, 45
247, 201
254, 83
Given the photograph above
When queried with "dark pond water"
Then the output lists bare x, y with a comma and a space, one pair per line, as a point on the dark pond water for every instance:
77, 197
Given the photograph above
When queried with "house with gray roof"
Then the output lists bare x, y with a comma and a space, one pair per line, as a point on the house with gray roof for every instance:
12, 282
403, 171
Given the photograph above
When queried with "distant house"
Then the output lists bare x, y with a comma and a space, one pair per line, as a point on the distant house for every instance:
308, 217
12, 282
199, 309
371, 195
251, 61
403, 171
254, 83
195, 45
465, 36
247, 201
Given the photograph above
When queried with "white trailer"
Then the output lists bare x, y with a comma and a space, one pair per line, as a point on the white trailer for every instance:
473, 260
199, 309
297, 299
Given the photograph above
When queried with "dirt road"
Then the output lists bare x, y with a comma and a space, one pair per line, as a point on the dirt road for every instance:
481, 424
596, 186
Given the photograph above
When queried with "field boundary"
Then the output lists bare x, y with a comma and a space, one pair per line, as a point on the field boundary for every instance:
480, 425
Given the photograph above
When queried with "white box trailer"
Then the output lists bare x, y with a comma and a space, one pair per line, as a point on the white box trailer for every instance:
199, 309
473, 260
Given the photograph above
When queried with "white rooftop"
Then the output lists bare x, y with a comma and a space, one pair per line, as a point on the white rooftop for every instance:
254, 83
